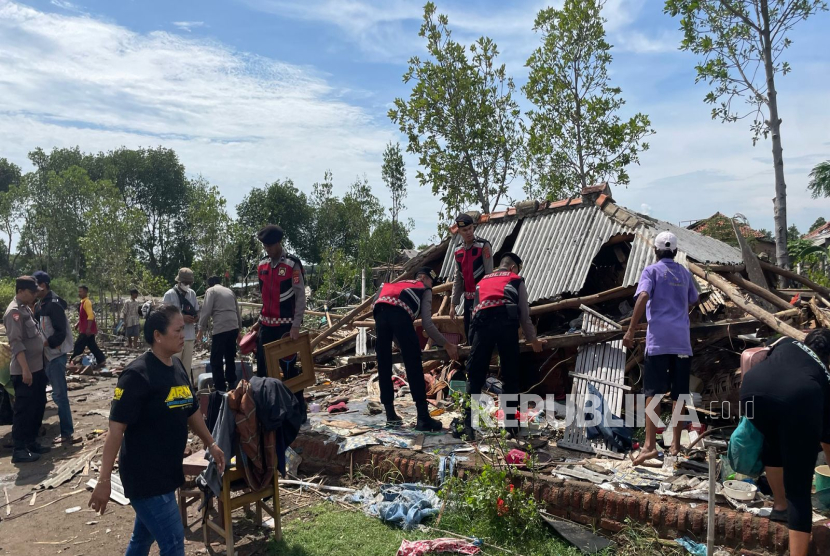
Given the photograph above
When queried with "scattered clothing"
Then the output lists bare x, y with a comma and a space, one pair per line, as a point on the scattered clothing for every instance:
278, 411
436, 546
338, 408
406, 504
694, 548
223, 428
618, 437
516, 457
258, 445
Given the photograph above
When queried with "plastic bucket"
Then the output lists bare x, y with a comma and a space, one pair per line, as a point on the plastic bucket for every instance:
823, 487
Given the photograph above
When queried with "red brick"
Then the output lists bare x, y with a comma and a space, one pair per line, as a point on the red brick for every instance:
632, 508
764, 536
682, 518
654, 514
610, 525
582, 518
644, 509
670, 516
558, 512
698, 521
748, 532
576, 499
588, 501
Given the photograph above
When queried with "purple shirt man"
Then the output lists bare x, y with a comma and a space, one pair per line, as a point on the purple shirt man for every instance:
671, 290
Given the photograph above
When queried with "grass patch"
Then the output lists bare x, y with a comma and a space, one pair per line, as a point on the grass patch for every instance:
325, 529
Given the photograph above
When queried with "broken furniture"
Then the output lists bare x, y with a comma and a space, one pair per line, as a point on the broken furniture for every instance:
193, 465
287, 349
228, 502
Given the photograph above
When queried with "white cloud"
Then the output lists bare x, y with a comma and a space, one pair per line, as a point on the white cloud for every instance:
188, 25
63, 4
238, 119
645, 208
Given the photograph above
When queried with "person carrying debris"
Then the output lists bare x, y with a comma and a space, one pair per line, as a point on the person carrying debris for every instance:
500, 307
787, 399
131, 313
665, 293
282, 285
87, 329
397, 305
183, 297
29, 380
152, 407
221, 305
51, 313
473, 259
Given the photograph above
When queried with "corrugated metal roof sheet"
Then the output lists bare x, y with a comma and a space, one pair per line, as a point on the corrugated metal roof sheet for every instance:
557, 249
642, 255
495, 232
699, 247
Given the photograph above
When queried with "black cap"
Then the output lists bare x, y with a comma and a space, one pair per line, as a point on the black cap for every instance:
42, 278
515, 258
134, 290
270, 234
464, 220
436, 281
25, 283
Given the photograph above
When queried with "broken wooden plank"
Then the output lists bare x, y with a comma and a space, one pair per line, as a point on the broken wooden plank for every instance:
796, 277
751, 262
763, 293
770, 320
601, 297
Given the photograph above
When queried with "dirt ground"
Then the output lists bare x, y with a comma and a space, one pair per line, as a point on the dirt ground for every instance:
50, 530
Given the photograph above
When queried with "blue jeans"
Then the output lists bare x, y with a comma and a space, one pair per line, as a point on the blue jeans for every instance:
56, 372
157, 519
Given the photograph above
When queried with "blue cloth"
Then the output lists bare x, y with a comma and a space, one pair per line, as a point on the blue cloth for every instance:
56, 373
406, 504
617, 437
446, 467
695, 548
157, 519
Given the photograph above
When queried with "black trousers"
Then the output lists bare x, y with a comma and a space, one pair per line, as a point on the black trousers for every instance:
394, 323
468, 315
494, 328
29, 405
88, 341
268, 334
223, 350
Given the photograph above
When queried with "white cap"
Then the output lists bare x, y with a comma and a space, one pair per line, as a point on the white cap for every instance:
666, 241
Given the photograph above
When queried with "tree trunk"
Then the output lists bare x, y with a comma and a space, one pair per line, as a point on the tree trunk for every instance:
780, 202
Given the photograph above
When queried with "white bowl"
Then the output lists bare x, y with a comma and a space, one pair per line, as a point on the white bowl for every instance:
739, 490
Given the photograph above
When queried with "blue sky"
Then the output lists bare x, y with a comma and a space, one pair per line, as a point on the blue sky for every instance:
248, 91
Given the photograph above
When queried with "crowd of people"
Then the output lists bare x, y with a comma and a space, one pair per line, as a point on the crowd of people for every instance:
154, 402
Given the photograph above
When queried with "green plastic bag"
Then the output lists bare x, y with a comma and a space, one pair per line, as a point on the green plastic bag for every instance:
745, 447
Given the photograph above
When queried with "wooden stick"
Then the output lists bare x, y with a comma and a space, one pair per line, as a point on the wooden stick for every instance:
8, 506
342, 322
594, 299
770, 320
797, 277
763, 293
822, 319
336, 344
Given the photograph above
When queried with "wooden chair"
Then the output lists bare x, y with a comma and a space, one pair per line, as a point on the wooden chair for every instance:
189, 493
223, 525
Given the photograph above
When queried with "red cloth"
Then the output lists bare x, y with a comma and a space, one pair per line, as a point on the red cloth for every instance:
338, 408
437, 546
516, 457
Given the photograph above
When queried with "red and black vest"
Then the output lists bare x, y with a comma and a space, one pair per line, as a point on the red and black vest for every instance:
498, 288
405, 294
276, 284
471, 263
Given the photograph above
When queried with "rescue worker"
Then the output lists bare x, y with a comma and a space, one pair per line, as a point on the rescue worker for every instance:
26, 368
282, 284
501, 306
396, 306
473, 259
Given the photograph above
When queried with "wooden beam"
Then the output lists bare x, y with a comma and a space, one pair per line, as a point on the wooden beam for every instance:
770, 320
342, 322
593, 299
763, 293
797, 277
821, 317
725, 267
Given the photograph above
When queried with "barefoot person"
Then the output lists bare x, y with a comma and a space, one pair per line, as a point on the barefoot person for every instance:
152, 407
665, 292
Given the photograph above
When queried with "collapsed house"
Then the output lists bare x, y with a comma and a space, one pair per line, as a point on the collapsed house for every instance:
583, 257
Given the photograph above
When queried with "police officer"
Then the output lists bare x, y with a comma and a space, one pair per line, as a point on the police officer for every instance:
396, 306
282, 285
28, 376
473, 259
501, 306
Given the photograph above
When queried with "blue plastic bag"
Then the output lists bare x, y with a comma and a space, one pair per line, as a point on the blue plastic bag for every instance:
745, 447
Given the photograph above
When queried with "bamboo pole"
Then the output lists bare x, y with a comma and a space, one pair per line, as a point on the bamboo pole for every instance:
594, 299
770, 320
797, 277
763, 293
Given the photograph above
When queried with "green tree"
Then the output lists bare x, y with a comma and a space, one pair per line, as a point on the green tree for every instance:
9, 175
461, 119
819, 184
393, 173
820, 221
109, 242
741, 43
792, 233
209, 225
576, 137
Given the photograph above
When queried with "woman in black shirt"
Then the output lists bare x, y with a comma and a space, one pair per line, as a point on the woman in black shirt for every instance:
151, 409
787, 398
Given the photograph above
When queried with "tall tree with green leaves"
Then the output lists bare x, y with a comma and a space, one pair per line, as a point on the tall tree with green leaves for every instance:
393, 173
741, 43
461, 119
819, 185
576, 136
12, 204
820, 221
209, 225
